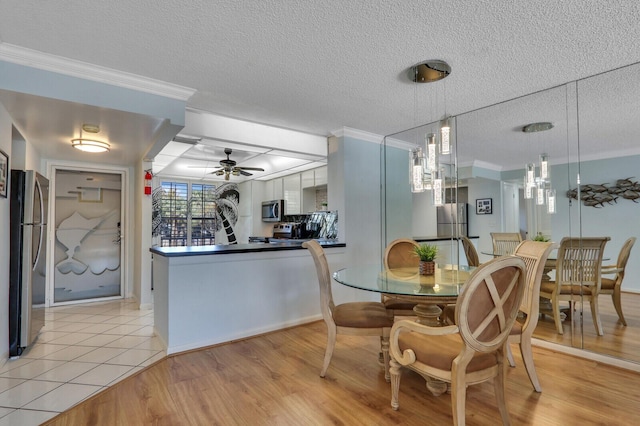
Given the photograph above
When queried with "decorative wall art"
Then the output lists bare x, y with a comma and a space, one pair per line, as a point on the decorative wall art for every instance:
593, 195
484, 206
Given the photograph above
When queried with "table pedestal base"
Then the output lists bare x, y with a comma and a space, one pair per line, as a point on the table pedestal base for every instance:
428, 314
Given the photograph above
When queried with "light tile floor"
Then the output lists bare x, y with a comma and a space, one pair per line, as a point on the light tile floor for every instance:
81, 350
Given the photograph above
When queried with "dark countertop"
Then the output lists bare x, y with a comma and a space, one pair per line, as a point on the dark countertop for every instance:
432, 238
238, 248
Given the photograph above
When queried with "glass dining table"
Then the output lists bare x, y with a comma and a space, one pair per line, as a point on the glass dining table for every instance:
429, 292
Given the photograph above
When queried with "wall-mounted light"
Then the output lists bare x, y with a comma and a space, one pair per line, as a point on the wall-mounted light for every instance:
90, 145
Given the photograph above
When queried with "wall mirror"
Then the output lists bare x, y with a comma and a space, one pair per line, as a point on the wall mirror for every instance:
596, 126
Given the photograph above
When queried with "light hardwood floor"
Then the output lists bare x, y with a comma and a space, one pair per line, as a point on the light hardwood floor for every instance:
618, 341
274, 380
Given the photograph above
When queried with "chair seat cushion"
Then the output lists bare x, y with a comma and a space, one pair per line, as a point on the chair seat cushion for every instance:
608, 284
550, 286
362, 315
440, 351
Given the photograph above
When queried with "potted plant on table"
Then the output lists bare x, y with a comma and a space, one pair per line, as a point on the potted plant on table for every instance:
427, 254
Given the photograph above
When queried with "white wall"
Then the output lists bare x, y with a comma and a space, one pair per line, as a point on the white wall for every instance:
5, 146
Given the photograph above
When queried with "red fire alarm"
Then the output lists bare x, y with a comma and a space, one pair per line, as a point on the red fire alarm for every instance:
147, 182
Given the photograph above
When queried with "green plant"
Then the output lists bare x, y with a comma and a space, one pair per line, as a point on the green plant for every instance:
426, 252
540, 237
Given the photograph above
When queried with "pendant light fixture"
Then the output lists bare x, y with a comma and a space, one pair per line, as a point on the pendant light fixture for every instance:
544, 193
424, 165
90, 145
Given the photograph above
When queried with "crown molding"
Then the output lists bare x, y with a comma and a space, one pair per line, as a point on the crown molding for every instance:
70, 67
358, 134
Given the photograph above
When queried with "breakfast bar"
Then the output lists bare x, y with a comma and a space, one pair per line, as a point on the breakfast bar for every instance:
214, 294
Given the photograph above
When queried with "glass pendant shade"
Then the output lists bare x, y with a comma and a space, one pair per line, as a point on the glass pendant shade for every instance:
540, 193
416, 170
530, 173
432, 148
438, 187
445, 132
528, 189
551, 201
544, 167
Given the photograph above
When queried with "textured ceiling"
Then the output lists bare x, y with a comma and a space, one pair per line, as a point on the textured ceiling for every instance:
319, 66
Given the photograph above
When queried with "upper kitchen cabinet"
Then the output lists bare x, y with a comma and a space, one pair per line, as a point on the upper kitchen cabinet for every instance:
307, 179
292, 194
320, 176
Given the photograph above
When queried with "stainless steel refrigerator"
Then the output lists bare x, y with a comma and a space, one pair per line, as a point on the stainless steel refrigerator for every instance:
28, 258
452, 220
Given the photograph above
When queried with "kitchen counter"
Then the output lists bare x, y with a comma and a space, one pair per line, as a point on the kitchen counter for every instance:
293, 244
209, 295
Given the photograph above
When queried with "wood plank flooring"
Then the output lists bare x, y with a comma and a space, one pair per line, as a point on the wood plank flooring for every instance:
618, 341
274, 380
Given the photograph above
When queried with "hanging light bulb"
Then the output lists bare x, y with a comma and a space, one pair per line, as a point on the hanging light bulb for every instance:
544, 167
551, 201
416, 167
445, 132
432, 153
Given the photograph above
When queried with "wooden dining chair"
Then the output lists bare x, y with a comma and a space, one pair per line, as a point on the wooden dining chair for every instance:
613, 286
470, 252
399, 253
505, 242
473, 350
353, 318
578, 277
534, 254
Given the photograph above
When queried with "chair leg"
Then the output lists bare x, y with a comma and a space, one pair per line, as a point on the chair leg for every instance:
458, 398
512, 362
556, 315
595, 313
385, 355
499, 385
395, 372
617, 303
331, 344
527, 358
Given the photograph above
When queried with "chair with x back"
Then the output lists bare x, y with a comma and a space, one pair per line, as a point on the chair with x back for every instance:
354, 318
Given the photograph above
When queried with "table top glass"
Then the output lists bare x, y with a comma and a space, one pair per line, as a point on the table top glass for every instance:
447, 280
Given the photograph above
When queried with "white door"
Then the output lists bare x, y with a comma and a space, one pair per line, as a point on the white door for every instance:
87, 255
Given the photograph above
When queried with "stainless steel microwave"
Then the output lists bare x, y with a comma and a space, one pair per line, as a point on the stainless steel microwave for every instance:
272, 211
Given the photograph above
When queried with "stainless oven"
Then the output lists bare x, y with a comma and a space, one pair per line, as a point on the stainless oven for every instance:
272, 211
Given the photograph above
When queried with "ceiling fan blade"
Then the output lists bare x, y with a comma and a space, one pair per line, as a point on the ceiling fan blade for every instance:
257, 169
243, 173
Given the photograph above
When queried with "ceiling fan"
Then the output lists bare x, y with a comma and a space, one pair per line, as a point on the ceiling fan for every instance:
228, 167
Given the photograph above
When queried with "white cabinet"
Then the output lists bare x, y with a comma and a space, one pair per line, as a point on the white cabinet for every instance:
292, 194
320, 176
307, 179
278, 190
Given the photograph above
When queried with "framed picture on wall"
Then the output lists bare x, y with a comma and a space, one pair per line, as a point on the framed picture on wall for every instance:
4, 173
484, 206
